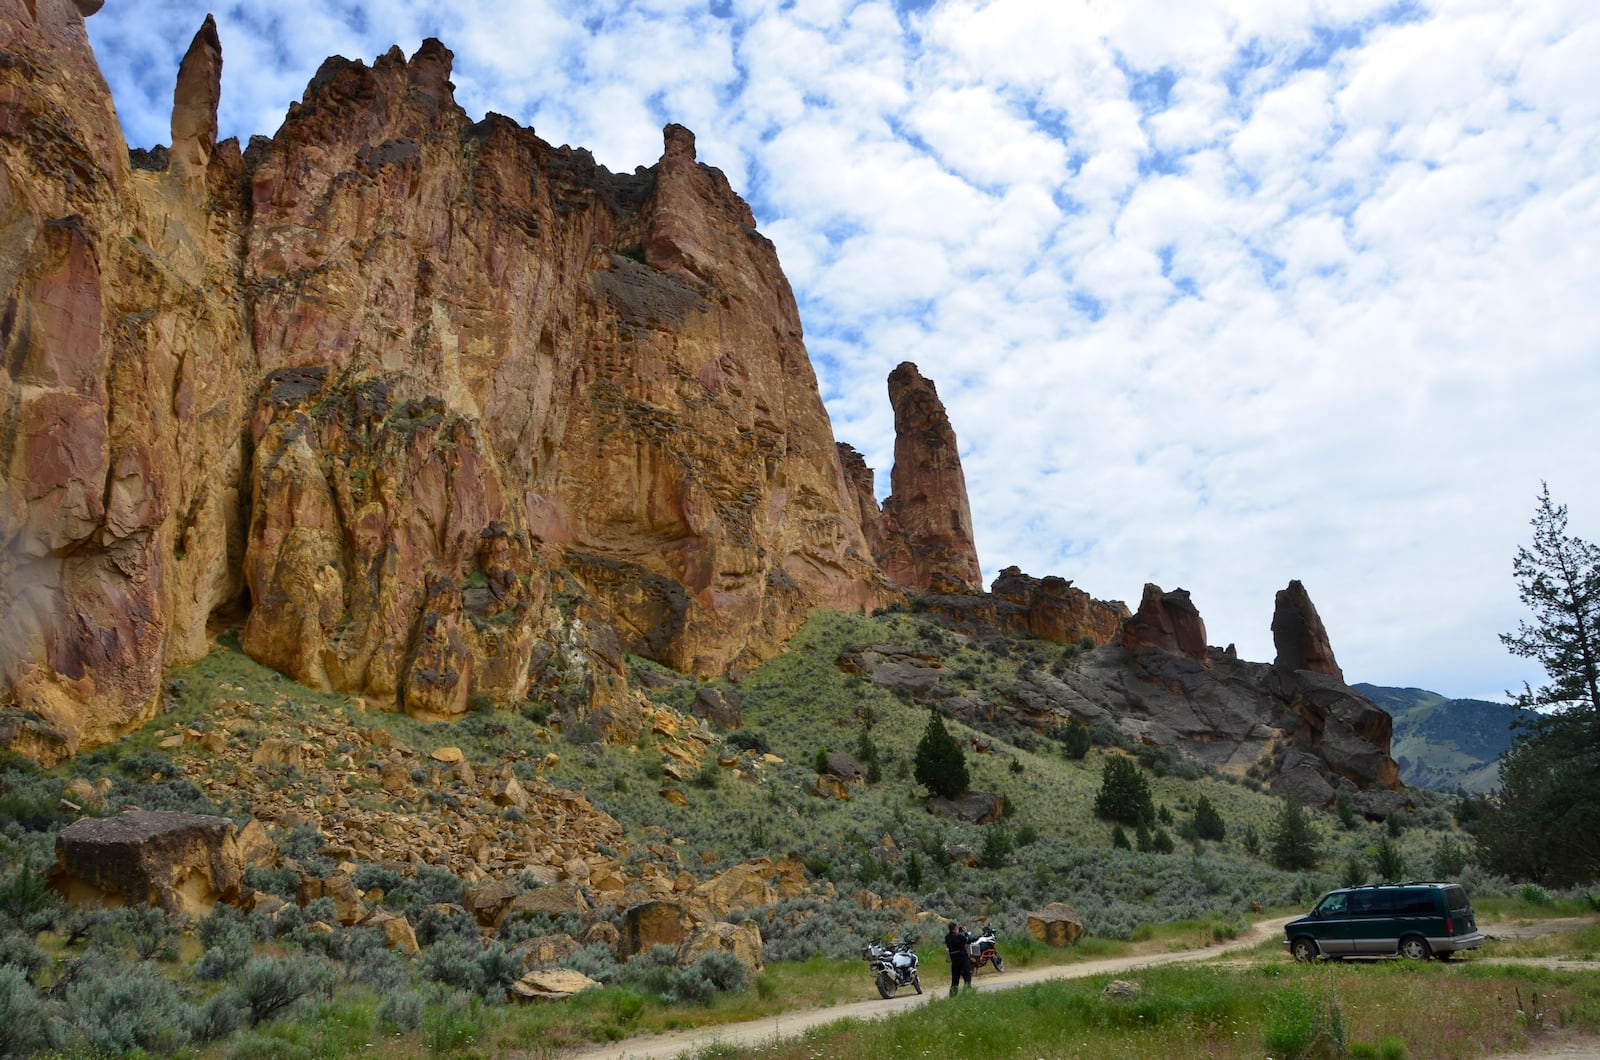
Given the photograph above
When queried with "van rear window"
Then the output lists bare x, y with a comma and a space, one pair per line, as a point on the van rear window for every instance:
1456, 898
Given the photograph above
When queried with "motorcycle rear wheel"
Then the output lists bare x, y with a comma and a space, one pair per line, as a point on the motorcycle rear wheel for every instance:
886, 987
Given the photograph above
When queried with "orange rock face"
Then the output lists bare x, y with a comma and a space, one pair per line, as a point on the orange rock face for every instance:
926, 533
380, 383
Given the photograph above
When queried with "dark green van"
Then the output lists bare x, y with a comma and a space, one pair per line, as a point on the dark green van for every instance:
1415, 920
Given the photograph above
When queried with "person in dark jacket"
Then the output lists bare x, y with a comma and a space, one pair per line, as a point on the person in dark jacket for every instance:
955, 945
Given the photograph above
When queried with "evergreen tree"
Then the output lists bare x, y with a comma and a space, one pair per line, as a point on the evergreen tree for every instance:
1545, 825
1388, 862
1449, 859
1207, 821
1075, 742
1119, 839
1559, 581
1124, 794
1295, 843
940, 764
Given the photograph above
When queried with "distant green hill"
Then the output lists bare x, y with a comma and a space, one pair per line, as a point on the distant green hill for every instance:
1445, 744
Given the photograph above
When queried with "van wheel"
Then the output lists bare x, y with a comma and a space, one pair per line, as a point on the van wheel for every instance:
1304, 950
1415, 948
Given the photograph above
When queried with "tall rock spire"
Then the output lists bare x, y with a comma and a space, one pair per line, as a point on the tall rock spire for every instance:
927, 522
1299, 635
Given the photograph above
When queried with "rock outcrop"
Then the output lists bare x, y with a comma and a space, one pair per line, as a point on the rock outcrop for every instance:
1169, 622
925, 536
1299, 636
1050, 608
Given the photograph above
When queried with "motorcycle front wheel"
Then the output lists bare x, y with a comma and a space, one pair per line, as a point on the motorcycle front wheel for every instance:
999, 963
916, 982
886, 987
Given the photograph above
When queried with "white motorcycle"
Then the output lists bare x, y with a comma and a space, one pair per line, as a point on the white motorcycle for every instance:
982, 951
894, 966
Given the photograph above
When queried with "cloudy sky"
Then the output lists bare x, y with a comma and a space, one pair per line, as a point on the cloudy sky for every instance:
1218, 293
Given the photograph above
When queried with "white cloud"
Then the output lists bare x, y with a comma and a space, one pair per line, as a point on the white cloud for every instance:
1217, 294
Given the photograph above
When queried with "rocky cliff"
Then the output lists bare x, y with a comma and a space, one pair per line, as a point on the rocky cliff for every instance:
438, 414
441, 409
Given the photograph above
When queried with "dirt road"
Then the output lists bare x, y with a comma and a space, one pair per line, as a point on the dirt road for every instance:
662, 1046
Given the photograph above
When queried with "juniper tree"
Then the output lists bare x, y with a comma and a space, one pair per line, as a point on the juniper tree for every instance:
1207, 821
1295, 843
1124, 794
940, 765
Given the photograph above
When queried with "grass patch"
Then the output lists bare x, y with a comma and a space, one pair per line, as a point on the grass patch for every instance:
1277, 1009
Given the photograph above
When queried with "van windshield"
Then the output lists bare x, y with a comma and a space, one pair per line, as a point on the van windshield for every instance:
1333, 904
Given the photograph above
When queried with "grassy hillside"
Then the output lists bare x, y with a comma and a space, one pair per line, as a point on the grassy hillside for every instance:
1447, 744
872, 862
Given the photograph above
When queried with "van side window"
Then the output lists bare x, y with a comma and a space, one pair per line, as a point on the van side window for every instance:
1414, 901
1368, 902
1333, 905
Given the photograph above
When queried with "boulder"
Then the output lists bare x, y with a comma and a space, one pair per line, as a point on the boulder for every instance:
488, 903
829, 786
979, 807
845, 768
551, 984
183, 862
743, 940
743, 886
397, 931
721, 705
1122, 990
545, 949
655, 923
556, 900
1057, 924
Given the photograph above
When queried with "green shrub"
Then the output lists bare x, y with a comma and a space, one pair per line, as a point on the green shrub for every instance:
218, 1016
452, 960
151, 933
753, 740
115, 1009
450, 1028
1301, 1025
431, 885
401, 1011
270, 985
24, 1018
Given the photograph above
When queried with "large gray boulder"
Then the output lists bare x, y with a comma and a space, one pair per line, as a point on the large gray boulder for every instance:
182, 862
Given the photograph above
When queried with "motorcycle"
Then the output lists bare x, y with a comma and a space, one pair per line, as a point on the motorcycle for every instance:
982, 952
894, 966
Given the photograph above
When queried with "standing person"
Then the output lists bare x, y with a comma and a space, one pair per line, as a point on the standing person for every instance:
955, 946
